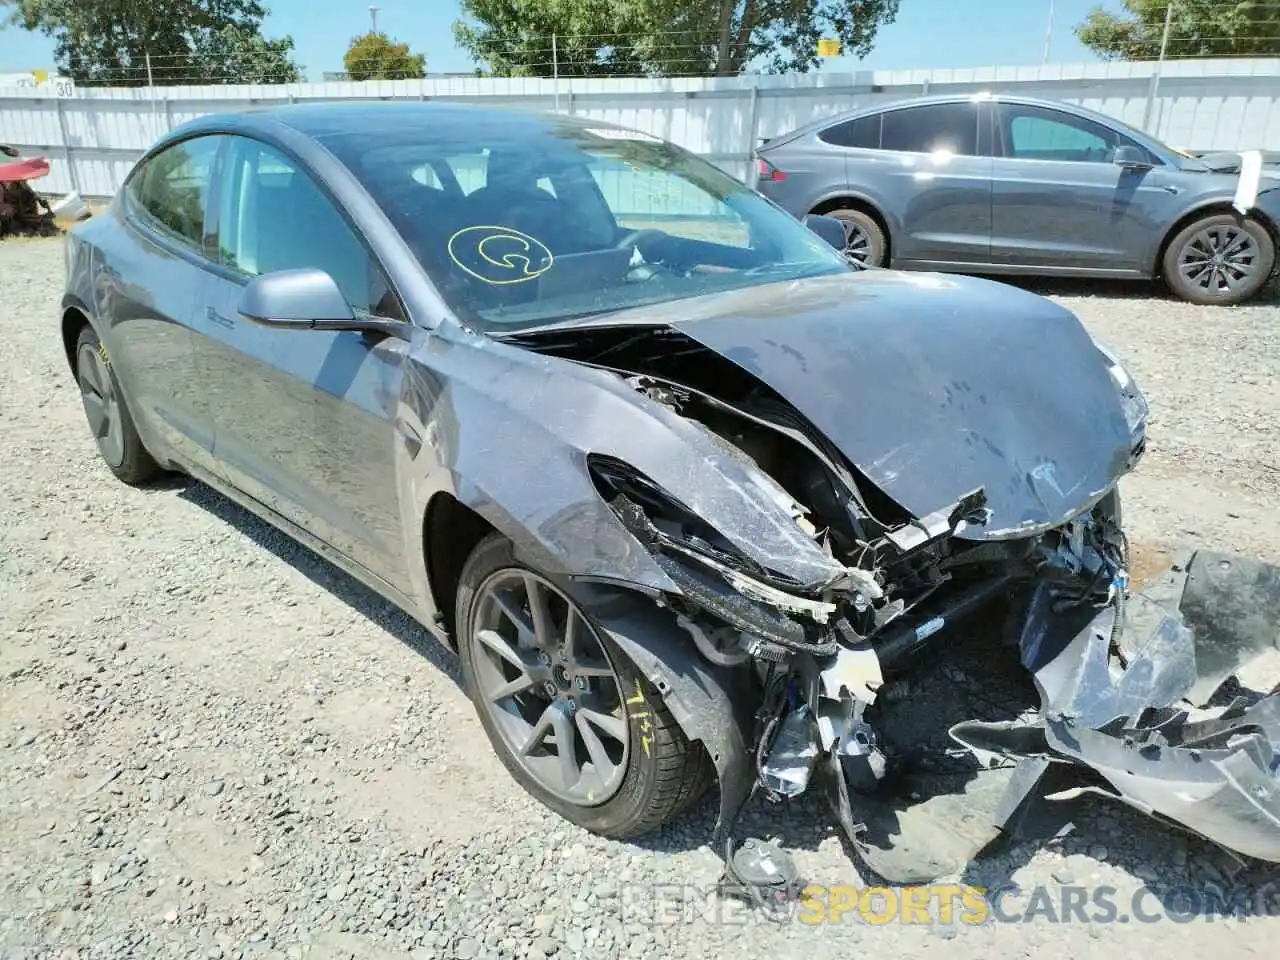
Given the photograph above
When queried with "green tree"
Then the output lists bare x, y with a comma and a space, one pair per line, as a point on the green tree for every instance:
373, 56
1198, 28
189, 41
663, 37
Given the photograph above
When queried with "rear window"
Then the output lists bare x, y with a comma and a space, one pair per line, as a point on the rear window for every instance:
860, 132
941, 126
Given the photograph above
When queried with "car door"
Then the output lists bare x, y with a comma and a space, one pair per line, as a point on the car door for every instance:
1060, 200
937, 180
304, 418
147, 292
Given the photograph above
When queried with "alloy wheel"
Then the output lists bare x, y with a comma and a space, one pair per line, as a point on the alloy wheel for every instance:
101, 405
546, 682
857, 245
1219, 259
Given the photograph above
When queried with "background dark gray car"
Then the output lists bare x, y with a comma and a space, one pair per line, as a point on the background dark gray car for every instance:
1015, 185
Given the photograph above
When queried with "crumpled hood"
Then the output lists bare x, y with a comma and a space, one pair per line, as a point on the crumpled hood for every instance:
933, 386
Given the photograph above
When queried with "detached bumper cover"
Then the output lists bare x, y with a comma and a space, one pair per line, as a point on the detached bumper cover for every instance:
1179, 711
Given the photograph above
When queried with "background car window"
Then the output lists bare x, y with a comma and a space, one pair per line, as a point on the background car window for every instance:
427, 176
940, 126
273, 216
1032, 133
470, 169
658, 199
859, 132
171, 188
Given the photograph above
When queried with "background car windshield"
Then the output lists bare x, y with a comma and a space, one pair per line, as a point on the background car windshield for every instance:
535, 223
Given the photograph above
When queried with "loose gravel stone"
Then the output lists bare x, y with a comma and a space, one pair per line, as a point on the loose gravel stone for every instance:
218, 745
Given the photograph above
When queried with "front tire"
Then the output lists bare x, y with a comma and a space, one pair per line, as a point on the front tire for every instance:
110, 421
1219, 259
541, 674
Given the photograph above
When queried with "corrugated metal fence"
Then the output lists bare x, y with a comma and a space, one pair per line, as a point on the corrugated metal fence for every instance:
95, 135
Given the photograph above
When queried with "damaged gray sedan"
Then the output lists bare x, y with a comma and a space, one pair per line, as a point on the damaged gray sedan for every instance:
695, 501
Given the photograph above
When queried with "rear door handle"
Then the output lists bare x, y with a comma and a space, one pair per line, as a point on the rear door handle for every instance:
214, 316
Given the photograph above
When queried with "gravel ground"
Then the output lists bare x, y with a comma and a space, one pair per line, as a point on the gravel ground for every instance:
214, 744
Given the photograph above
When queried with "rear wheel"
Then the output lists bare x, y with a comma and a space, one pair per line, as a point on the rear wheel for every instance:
108, 414
572, 720
864, 241
1219, 259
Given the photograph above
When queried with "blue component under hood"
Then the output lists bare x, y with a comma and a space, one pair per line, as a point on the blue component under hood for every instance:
934, 386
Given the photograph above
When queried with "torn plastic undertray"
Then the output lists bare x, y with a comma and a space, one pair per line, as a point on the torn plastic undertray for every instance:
1178, 711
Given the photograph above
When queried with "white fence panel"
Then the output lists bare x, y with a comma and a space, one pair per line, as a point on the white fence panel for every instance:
94, 136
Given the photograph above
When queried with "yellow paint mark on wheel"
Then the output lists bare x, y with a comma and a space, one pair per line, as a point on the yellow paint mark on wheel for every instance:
102, 354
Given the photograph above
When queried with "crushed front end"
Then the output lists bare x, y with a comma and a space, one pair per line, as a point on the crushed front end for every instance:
942, 684
932, 666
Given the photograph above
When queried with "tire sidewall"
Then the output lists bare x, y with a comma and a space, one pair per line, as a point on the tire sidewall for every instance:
867, 224
137, 464
640, 783
1186, 291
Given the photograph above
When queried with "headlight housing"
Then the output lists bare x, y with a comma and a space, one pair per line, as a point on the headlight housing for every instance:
684, 544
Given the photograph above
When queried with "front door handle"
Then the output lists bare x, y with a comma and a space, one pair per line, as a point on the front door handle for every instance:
215, 317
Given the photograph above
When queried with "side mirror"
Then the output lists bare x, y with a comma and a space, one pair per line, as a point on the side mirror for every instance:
1131, 158
828, 228
307, 299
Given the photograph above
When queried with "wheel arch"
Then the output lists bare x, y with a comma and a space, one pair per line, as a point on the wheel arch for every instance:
74, 319
1208, 209
450, 531
862, 204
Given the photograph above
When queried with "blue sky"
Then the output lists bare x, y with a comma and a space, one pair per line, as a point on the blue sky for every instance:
928, 33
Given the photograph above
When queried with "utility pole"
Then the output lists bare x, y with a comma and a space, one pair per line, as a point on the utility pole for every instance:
373, 18
555, 70
1154, 89
1048, 33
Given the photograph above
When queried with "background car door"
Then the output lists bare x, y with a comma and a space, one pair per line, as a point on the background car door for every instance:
939, 184
150, 316
1061, 200
304, 418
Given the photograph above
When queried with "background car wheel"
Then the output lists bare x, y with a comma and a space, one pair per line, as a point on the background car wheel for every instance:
864, 240
570, 717
108, 414
1220, 259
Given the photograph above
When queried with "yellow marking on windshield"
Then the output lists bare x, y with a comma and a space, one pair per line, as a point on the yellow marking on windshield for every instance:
499, 255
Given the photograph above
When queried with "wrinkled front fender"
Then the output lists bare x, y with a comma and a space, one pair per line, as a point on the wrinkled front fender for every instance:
508, 431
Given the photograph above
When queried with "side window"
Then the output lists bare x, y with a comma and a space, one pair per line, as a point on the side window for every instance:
273, 216
860, 132
1032, 133
940, 126
170, 190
